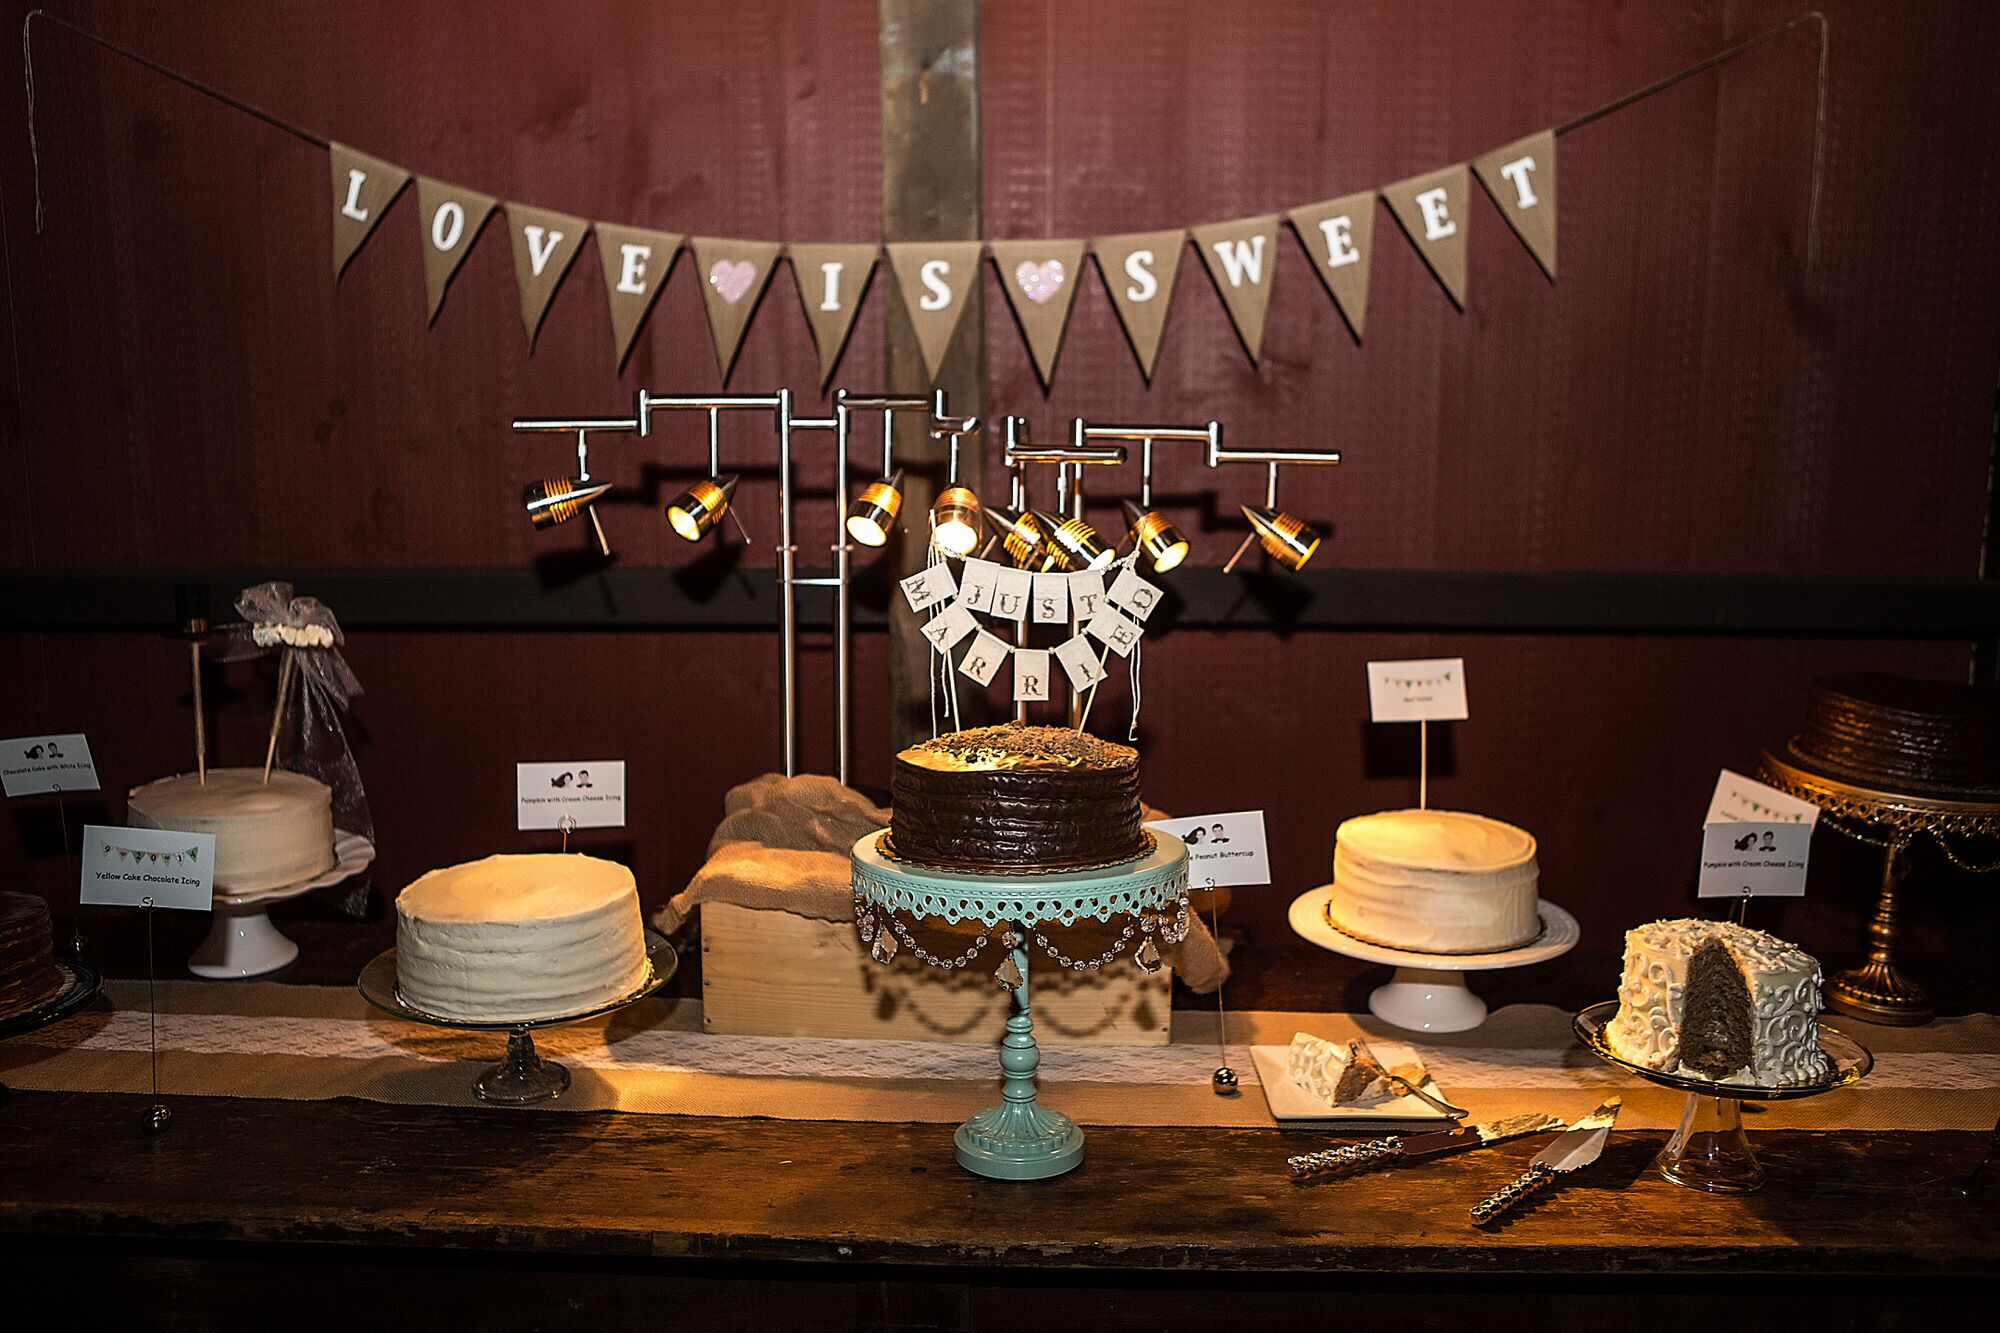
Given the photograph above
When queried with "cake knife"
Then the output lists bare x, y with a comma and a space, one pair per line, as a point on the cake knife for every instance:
1577, 1148
1398, 1148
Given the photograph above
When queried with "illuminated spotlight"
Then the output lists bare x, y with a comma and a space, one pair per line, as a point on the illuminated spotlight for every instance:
701, 506
872, 516
1026, 543
1156, 537
1075, 543
1284, 538
955, 522
559, 499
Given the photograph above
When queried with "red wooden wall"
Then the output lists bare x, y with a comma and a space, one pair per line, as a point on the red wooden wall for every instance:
192, 389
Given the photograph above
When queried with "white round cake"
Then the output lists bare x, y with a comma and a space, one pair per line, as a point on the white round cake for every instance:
1434, 881
514, 938
267, 834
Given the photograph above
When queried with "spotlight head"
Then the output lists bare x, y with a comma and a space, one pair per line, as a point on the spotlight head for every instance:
872, 517
955, 522
1284, 538
1023, 538
559, 499
1158, 539
701, 506
1075, 543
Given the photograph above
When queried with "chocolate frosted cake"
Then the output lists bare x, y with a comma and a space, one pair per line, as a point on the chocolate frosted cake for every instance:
1014, 797
1892, 732
28, 972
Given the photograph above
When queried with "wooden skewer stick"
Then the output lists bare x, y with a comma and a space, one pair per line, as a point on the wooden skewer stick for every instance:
200, 721
1091, 698
278, 711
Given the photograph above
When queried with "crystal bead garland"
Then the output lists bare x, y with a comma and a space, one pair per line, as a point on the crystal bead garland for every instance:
884, 935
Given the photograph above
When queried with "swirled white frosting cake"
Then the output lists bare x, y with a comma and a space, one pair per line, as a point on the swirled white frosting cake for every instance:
267, 834
1718, 1001
1435, 881
519, 937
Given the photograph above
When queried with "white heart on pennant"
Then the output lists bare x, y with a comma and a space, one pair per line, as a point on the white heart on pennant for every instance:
1039, 281
732, 278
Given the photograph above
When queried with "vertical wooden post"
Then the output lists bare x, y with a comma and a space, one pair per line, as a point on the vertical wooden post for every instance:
930, 192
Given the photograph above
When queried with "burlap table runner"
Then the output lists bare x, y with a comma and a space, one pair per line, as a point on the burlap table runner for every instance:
314, 1043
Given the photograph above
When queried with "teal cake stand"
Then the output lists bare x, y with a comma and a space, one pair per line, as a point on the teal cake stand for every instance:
1020, 1139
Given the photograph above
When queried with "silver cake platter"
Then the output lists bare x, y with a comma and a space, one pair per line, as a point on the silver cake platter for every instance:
523, 1075
1709, 1150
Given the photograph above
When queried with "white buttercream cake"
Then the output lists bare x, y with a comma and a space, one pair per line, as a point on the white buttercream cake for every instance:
267, 834
519, 937
1719, 1001
1434, 881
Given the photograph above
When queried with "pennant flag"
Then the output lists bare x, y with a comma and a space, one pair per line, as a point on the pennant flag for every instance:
1339, 234
831, 280
1138, 269
947, 627
1079, 662
1031, 675
733, 277
1241, 257
1522, 180
545, 245
936, 281
1432, 211
363, 189
1039, 278
983, 659
452, 219
636, 263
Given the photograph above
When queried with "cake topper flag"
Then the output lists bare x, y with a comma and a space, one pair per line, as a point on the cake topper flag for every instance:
1339, 235
983, 659
1242, 257
1031, 675
545, 245
452, 219
363, 189
1432, 211
831, 280
733, 277
937, 280
1522, 180
636, 263
1139, 270
1039, 278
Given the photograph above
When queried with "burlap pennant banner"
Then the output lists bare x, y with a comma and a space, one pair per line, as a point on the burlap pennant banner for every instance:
1522, 180
452, 219
545, 245
1039, 278
1432, 211
1242, 258
831, 280
363, 189
733, 277
636, 263
1339, 236
1139, 269
935, 279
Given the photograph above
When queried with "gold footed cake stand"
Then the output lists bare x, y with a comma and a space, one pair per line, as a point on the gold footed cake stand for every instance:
1709, 1151
1877, 990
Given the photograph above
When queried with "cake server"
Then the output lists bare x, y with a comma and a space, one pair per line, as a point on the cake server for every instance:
1399, 1148
1574, 1150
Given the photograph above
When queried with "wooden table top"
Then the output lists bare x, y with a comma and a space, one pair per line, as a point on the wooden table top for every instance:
608, 1185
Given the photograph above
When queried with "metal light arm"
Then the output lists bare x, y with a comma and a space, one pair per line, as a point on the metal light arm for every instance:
1081, 432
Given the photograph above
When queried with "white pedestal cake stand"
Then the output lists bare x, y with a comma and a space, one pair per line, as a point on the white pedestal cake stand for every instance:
1428, 992
244, 943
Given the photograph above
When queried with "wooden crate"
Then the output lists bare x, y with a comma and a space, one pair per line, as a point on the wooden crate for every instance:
773, 974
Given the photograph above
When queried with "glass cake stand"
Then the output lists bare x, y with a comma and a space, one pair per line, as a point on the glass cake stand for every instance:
1710, 1151
522, 1076
1428, 991
81, 985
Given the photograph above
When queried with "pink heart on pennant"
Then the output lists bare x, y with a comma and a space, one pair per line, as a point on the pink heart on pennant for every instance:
732, 278
1039, 281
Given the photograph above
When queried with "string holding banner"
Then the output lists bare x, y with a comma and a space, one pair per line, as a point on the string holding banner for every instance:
934, 281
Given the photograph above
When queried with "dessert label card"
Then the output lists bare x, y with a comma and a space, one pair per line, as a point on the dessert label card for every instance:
1739, 799
589, 794
30, 765
1222, 849
1763, 860
147, 867
1428, 689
